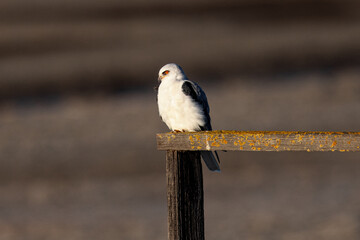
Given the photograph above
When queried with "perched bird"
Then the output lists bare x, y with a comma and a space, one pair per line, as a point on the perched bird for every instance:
183, 106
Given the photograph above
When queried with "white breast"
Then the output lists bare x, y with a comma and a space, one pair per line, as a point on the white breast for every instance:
178, 110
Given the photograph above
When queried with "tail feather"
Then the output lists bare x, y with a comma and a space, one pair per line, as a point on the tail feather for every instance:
211, 162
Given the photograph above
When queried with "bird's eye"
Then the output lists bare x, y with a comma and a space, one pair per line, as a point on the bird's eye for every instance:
165, 72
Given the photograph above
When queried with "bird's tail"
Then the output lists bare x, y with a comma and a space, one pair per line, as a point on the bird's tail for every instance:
211, 162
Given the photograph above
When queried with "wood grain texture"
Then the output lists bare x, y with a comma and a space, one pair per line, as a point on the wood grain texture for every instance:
185, 196
260, 141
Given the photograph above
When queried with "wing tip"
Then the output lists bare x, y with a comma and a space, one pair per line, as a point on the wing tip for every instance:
210, 161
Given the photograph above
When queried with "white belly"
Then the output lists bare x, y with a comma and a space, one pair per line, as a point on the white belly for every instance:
177, 110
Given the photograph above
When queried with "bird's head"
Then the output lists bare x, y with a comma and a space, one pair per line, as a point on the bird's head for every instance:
171, 71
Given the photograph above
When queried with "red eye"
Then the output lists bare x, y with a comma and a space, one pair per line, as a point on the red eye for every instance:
165, 72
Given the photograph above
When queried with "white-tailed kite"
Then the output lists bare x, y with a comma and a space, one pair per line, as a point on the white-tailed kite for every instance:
183, 106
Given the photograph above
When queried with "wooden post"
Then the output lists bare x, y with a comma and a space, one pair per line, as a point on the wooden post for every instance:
184, 173
185, 195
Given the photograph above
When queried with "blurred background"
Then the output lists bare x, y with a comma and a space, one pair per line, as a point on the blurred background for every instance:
78, 115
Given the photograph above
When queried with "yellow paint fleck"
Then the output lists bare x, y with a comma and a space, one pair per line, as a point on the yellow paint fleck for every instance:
197, 137
223, 139
169, 137
239, 142
253, 148
333, 144
215, 144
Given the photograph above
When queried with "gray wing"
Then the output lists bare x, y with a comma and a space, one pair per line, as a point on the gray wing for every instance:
193, 90
198, 95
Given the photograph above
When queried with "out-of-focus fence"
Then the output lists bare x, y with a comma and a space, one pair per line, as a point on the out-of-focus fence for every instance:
65, 47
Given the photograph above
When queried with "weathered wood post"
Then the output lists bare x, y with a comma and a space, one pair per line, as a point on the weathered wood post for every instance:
184, 173
185, 196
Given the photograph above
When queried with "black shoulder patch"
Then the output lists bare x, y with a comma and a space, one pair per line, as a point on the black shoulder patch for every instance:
189, 90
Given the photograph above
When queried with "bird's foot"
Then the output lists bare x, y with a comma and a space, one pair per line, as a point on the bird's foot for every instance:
178, 131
